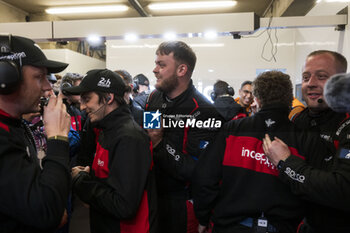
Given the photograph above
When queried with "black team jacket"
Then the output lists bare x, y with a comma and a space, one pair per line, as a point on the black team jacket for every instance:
176, 155
328, 189
31, 199
121, 187
234, 180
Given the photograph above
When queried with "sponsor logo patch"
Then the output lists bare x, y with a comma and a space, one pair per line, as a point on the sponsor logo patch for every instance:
104, 82
344, 153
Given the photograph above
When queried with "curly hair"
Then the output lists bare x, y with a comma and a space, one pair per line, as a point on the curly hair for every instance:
273, 87
182, 53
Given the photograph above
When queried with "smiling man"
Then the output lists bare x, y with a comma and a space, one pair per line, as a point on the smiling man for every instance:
120, 188
327, 178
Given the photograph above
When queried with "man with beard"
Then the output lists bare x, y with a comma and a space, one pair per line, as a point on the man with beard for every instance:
32, 198
177, 148
246, 97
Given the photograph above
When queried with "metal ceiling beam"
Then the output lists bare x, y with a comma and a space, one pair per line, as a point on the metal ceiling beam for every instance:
137, 6
277, 8
299, 8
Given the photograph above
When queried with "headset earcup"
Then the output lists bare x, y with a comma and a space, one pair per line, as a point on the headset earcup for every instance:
213, 96
230, 91
135, 86
10, 76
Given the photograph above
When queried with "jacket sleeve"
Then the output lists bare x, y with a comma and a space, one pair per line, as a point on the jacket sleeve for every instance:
121, 192
30, 195
180, 163
326, 186
86, 152
206, 179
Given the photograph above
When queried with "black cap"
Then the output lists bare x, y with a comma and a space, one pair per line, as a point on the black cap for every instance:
141, 79
99, 80
24, 51
337, 92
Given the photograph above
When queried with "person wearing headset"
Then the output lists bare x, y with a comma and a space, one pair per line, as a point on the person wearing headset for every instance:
327, 178
120, 187
135, 109
224, 103
141, 90
32, 198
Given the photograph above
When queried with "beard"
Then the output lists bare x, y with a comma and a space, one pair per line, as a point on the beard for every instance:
168, 84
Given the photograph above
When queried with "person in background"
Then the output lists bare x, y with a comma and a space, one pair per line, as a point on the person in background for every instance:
78, 117
297, 107
224, 103
32, 198
325, 178
235, 185
141, 90
246, 97
177, 149
135, 109
120, 187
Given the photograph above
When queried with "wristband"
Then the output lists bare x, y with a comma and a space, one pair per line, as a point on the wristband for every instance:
280, 164
59, 137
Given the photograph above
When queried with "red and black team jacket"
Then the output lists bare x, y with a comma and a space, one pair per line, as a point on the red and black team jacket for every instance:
328, 189
31, 199
176, 155
234, 180
121, 187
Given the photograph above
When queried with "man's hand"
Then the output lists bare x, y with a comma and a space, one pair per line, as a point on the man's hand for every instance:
275, 150
77, 169
156, 136
56, 118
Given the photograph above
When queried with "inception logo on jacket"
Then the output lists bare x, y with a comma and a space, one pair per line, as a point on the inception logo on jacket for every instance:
153, 120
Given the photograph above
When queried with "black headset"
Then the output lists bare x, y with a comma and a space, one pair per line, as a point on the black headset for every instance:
135, 85
230, 91
10, 71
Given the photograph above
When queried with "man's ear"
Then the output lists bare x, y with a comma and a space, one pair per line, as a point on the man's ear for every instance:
182, 70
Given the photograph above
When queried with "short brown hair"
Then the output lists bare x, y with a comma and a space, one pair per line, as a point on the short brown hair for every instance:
182, 53
341, 62
273, 87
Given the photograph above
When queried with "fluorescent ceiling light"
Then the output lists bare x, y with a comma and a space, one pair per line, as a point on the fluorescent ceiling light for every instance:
190, 5
337, 1
153, 46
210, 35
131, 37
86, 9
94, 40
169, 35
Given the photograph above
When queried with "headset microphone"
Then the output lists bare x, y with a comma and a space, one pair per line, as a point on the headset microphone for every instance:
320, 101
104, 105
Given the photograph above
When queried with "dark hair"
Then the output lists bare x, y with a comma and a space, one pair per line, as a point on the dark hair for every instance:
69, 79
273, 87
246, 83
340, 60
103, 97
222, 88
182, 53
127, 78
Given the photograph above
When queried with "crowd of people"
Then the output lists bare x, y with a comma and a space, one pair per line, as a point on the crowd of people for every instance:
262, 162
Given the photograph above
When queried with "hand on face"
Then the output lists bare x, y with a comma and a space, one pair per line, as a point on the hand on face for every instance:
56, 119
